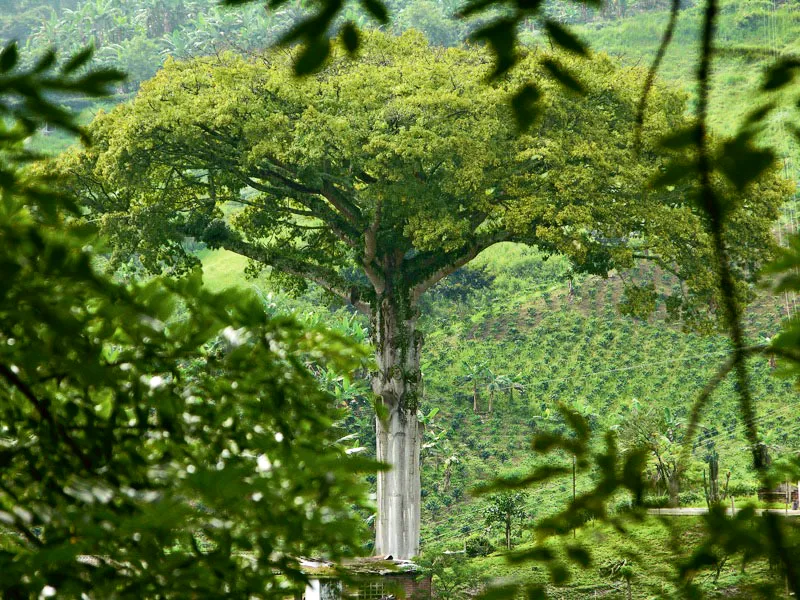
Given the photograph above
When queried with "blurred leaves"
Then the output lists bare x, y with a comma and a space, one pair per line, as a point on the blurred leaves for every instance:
564, 38
742, 162
781, 74
26, 94
563, 76
144, 454
501, 35
525, 104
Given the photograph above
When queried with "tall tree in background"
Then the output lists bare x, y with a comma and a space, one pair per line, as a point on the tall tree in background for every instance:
378, 177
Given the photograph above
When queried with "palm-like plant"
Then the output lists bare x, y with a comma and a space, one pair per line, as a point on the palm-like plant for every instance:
475, 374
434, 437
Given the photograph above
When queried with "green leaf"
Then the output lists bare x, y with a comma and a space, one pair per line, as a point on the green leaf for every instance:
377, 9
312, 56
474, 7
559, 574
502, 37
564, 38
577, 421
780, 74
350, 37
97, 82
741, 162
563, 76
674, 173
680, 139
47, 60
525, 105
499, 592
77, 61
535, 592
759, 114
579, 555
9, 57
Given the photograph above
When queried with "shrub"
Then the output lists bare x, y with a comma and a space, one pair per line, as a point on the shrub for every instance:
690, 497
478, 545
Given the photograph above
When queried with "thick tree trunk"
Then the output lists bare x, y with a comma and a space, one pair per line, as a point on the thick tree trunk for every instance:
398, 386
674, 489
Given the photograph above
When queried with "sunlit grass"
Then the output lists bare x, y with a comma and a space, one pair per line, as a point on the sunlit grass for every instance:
223, 269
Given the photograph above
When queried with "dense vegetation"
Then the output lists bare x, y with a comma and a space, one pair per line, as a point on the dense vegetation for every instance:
538, 333
361, 192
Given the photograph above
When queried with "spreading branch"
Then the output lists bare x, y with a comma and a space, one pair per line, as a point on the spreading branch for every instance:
437, 267
328, 279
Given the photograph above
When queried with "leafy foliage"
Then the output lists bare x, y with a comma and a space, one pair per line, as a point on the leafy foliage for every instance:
506, 509
452, 577
142, 453
556, 191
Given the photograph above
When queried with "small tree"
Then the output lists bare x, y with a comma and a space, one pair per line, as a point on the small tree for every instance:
660, 434
452, 576
495, 383
711, 483
507, 509
475, 375
434, 438
620, 570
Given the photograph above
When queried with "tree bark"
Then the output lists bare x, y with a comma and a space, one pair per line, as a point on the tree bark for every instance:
674, 488
398, 387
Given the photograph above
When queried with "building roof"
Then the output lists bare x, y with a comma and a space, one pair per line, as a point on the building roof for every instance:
373, 565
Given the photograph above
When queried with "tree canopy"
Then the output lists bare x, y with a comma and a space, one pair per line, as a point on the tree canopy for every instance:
407, 177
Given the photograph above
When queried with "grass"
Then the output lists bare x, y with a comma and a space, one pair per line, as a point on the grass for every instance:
223, 269
653, 548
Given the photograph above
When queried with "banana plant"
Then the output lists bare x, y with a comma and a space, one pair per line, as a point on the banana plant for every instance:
434, 437
475, 375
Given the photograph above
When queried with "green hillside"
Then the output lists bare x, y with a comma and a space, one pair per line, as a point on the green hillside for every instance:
580, 351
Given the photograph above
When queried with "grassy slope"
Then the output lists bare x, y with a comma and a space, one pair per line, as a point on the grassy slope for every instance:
223, 269
579, 351
737, 74
649, 548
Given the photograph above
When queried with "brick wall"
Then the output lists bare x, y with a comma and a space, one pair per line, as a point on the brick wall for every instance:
414, 586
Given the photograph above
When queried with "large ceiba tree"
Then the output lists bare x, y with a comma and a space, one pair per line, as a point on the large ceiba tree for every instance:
380, 175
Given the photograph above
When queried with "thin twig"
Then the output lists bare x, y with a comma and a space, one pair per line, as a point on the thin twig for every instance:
713, 207
45, 414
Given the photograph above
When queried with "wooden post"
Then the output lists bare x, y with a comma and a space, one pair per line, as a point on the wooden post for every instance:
733, 507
